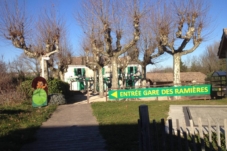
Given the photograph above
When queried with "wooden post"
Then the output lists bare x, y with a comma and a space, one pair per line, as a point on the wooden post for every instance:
193, 142
218, 135
191, 126
201, 134
88, 95
185, 141
145, 130
178, 135
200, 128
106, 93
171, 134
163, 129
209, 131
155, 136
225, 127
140, 135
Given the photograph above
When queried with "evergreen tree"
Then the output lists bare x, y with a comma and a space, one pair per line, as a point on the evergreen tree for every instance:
183, 67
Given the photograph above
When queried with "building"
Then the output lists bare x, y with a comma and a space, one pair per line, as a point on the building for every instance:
167, 78
78, 72
223, 45
222, 51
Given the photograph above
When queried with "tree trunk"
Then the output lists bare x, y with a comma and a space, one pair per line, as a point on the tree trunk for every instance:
43, 66
61, 75
176, 72
114, 73
144, 70
123, 79
101, 92
176, 69
46, 73
95, 81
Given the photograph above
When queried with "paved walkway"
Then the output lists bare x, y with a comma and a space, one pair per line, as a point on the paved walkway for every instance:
188, 116
72, 127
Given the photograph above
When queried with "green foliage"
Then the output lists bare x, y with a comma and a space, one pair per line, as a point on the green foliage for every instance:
54, 86
58, 86
196, 67
183, 67
208, 78
26, 88
222, 64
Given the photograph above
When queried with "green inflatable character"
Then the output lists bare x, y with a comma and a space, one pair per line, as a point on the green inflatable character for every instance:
39, 97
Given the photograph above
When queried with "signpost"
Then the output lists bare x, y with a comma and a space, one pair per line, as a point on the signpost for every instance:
193, 90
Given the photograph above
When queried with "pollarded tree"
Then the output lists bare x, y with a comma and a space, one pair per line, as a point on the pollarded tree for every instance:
24, 65
93, 43
122, 65
110, 19
95, 60
147, 47
90, 58
15, 25
51, 28
62, 59
147, 51
180, 28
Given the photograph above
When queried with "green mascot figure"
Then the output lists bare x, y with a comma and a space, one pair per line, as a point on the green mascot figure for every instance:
39, 97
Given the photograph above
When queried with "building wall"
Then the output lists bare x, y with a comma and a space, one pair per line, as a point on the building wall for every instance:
71, 74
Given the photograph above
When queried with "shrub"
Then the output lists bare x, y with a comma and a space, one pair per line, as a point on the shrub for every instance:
26, 88
58, 86
8, 84
54, 86
56, 99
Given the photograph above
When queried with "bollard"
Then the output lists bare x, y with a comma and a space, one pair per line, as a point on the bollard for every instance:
88, 96
145, 128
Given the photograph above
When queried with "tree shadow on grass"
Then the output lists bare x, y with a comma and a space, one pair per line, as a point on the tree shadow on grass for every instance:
121, 137
12, 111
7, 113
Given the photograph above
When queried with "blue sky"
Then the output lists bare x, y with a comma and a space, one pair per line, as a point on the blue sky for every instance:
68, 7
218, 22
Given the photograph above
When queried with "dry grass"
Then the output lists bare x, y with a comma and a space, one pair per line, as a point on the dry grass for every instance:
8, 92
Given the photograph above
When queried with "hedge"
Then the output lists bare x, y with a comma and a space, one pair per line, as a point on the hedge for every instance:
54, 86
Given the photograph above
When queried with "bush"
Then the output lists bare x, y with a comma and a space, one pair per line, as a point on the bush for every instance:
56, 99
58, 86
54, 86
26, 88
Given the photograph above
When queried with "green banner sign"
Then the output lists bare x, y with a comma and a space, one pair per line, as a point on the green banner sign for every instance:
163, 91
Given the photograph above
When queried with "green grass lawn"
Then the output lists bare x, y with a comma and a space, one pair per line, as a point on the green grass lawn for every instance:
19, 122
118, 119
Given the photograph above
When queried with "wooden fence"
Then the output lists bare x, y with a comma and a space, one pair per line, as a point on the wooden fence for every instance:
161, 137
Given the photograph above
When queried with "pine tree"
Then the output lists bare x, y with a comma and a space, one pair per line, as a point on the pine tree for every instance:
183, 67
